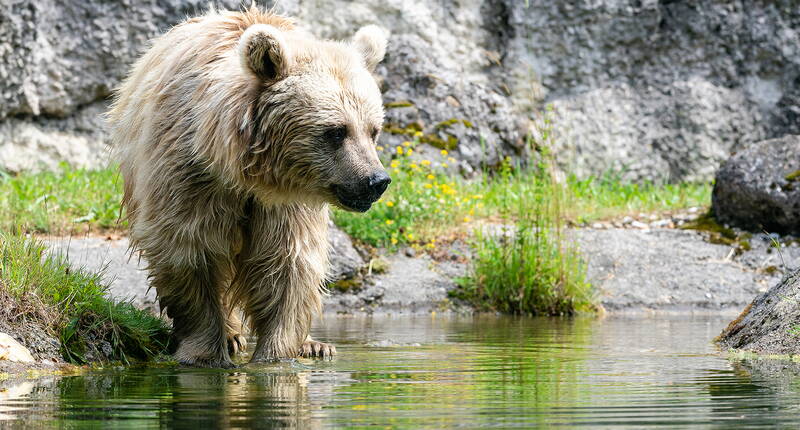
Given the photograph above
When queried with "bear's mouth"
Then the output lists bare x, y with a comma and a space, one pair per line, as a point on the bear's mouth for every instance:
351, 201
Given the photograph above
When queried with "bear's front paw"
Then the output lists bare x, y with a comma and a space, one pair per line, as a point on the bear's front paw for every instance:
312, 348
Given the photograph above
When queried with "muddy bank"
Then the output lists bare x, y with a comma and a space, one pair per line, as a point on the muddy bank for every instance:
652, 270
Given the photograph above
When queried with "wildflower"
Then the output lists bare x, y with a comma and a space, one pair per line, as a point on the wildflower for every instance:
379, 148
394, 163
409, 151
430, 245
425, 162
394, 241
444, 165
451, 159
431, 177
395, 171
399, 150
390, 203
413, 166
410, 236
477, 196
389, 222
418, 134
406, 144
444, 152
466, 219
429, 186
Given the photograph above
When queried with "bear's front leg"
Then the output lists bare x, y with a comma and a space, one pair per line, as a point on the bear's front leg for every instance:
279, 278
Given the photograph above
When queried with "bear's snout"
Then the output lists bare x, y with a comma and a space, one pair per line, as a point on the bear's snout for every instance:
360, 195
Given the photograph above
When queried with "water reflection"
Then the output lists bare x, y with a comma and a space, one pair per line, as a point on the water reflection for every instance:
442, 372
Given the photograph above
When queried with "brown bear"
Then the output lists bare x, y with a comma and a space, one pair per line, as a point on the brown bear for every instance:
234, 133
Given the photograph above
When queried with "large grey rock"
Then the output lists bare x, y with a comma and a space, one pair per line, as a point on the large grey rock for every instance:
657, 89
345, 261
769, 325
759, 187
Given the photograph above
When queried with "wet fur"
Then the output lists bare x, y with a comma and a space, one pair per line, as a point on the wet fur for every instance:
226, 195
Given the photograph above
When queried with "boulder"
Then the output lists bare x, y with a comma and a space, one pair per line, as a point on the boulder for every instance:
11, 350
759, 187
345, 261
659, 90
770, 325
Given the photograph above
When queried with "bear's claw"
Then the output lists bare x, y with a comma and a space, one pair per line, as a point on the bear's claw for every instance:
312, 348
237, 344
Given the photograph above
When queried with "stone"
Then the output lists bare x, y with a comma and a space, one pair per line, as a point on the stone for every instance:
11, 350
768, 325
345, 261
654, 90
759, 187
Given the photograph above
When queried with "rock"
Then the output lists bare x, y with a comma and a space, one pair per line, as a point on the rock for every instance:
759, 188
345, 261
11, 350
675, 270
769, 325
655, 89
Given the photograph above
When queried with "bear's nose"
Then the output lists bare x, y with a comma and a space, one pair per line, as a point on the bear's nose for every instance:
378, 182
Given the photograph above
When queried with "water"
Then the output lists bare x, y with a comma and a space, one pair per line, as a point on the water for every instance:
441, 372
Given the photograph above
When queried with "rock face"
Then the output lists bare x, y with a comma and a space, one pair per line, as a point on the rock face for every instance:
11, 350
769, 325
656, 89
759, 188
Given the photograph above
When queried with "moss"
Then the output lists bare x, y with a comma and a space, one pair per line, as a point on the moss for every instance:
734, 325
378, 265
794, 176
398, 104
346, 285
719, 234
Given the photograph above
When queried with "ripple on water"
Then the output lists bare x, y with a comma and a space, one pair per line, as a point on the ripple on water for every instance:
440, 372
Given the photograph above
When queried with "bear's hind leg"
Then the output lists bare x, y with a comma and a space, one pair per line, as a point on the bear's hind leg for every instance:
190, 296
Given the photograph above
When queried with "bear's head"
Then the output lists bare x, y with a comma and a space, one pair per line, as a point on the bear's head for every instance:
316, 117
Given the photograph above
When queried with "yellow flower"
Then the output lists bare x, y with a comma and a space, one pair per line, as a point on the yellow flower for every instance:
389, 222
390, 203
409, 151
425, 162
418, 134
444, 165
395, 171
444, 152
400, 150
428, 186
431, 177
430, 246
466, 219
413, 166
379, 148
406, 144
410, 236
394, 163
477, 196
394, 241
451, 159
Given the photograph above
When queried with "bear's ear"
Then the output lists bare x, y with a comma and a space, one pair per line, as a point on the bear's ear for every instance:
371, 42
264, 52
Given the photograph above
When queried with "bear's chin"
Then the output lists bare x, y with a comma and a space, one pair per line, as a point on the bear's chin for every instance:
354, 205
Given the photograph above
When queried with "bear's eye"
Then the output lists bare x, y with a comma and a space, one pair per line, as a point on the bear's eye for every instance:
374, 133
335, 136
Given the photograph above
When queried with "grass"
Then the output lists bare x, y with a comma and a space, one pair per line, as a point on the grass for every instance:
426, 203
528, 266
72, 304
60, 201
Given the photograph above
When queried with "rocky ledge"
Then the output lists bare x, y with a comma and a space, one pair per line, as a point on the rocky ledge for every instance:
634, 270
770, 325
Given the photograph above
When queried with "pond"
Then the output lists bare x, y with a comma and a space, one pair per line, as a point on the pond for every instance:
437, 371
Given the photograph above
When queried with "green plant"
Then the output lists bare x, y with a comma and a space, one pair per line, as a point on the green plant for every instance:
74, 305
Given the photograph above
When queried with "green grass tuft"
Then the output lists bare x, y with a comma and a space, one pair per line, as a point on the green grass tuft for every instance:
81, 315
61, 201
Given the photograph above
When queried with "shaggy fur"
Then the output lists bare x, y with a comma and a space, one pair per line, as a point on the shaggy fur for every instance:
223, 134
